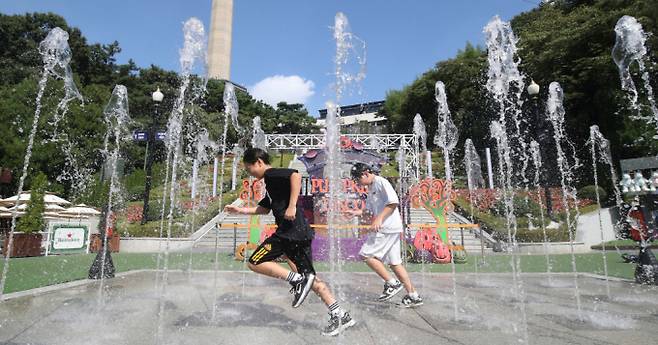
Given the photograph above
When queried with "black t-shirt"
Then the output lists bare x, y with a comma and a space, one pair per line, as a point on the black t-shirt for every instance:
277, 198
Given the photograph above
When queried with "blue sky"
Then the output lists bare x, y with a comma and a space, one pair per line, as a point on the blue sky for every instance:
291, 38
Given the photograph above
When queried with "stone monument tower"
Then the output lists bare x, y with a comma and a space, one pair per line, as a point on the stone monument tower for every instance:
219, 46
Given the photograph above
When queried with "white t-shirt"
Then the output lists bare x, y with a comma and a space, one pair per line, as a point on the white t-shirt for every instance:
380, 194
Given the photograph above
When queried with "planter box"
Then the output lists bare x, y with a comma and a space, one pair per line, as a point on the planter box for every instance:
112, 242
24, 245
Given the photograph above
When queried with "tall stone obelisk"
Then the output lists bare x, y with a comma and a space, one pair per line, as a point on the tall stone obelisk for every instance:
219, 47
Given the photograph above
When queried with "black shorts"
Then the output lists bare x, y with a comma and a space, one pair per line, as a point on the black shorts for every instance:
299, 252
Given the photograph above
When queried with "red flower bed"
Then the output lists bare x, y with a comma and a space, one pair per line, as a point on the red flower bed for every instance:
483, 199
556, 199
134, 213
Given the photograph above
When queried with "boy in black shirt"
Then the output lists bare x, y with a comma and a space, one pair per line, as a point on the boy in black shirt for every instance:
292, 238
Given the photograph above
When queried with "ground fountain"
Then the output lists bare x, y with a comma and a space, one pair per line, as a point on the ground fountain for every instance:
349, 71
535, 152
117, 121
56, 57
567, 163
474, 181
192, 53
505, 84
420, 132
446, 138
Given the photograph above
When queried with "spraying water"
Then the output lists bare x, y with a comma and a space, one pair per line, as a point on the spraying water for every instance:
446, 134
332, 174
630, 47
193, 52
535, 151
421, 136
56, 57
474, 179
350, 59
231, 109
473, 166
505, 83
446, 137
55, 47
556, 112
600, 146
116, 119
258, 138
505, 168
204, 152
349, 71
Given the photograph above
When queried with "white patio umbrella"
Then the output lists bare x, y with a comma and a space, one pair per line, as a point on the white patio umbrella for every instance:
54, 208
9, 214
81, 209
49, 198
59, 215
25, 196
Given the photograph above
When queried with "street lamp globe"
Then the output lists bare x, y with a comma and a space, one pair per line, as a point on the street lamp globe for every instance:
157, 96
533, 88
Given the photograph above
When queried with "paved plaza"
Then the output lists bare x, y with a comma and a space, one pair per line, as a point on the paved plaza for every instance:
251, 309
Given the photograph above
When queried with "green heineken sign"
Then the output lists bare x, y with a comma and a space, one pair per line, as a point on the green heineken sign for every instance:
68, 239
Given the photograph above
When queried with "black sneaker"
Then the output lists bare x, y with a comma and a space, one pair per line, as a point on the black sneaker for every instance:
390, 290
338, 324
410, 302
301, 289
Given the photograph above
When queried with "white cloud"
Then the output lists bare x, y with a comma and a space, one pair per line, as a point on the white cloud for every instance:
280, 88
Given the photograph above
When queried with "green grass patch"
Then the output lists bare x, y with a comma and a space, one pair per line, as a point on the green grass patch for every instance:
276, 161
30, 273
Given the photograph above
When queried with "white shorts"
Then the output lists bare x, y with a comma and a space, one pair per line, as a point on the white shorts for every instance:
385, 247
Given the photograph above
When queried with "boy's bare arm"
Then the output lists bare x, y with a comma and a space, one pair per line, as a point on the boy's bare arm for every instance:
379, 219
246, 210
295, 188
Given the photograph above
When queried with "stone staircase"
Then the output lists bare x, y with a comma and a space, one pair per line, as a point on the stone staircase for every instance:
469, 236
224, 238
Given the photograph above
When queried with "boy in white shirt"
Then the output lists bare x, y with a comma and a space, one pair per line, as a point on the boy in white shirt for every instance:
383, 243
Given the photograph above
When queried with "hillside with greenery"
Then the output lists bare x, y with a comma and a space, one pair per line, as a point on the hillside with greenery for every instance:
96, 72
565, 41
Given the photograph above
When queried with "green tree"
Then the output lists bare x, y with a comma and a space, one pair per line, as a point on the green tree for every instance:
32, 220
294, 118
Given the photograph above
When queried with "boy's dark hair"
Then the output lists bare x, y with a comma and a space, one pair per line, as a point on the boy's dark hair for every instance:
253, 154
358, 169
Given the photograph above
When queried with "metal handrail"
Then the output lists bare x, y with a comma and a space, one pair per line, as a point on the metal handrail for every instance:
349, 226
211, 226
487, 236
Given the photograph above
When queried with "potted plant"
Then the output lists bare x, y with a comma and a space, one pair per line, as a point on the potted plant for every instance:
27, 239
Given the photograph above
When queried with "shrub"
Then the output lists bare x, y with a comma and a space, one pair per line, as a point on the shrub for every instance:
33, 221
134, 185
537, 235
589, 192
95, 194
522, 207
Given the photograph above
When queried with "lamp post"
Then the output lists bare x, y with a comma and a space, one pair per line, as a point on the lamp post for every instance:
280, 126
541, 131
157, 97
